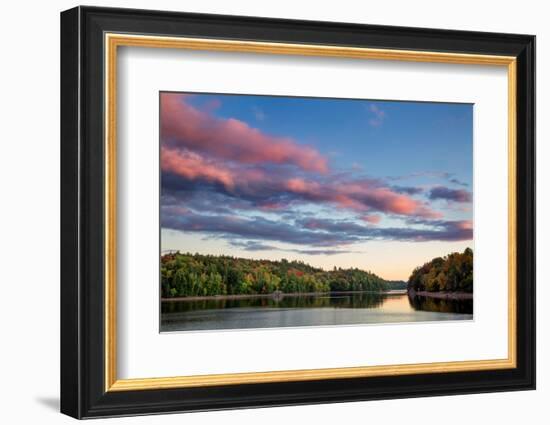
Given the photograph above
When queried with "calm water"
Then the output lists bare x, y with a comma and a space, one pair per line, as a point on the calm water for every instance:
310, 310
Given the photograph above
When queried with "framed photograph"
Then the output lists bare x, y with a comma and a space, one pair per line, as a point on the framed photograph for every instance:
261, 212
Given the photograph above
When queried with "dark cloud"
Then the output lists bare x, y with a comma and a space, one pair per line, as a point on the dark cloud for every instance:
251, 245
450, 177
320, 251
456, 195
458, 182
409, 190
258, 246
431, 230
310, 232
255, 228
270, 189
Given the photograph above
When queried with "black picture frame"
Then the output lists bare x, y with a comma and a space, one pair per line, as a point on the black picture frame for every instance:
83, 392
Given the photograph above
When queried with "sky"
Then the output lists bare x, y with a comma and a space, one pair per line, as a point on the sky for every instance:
383, 186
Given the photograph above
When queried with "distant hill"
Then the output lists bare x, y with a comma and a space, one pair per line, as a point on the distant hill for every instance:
203, 275
395, 285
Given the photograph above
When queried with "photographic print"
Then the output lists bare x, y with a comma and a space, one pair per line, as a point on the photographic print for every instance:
305, 194
281, 211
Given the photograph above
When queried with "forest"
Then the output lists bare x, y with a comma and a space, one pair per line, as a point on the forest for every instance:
185, 275
452, 273
395, 285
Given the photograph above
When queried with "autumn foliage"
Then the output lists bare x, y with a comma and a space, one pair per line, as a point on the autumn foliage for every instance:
184, 275
453, 273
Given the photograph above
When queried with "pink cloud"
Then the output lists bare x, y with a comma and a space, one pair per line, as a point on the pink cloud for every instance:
298, 185
200, 147
185, 126
384, 198
372, 219
465, 225
271, 206
268, 190
192, 167
361, 196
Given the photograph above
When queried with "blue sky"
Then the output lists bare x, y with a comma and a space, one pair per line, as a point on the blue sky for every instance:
411, 137
326, 181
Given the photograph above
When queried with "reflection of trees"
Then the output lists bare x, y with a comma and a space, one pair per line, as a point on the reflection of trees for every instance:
360, 300
363, 300
441, 305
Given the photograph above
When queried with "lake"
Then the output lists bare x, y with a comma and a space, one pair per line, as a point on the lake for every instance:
308, 310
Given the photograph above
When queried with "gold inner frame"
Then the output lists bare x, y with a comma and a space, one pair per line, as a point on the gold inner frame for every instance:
113, 41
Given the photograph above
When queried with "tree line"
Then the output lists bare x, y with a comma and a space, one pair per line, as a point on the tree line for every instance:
393, 285
452, 273
185, 274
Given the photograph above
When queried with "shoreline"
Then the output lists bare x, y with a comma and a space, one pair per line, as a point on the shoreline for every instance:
278, 295
444, 295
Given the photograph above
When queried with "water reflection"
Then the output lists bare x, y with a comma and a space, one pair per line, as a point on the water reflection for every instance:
441, 305
308, 310
355, 300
